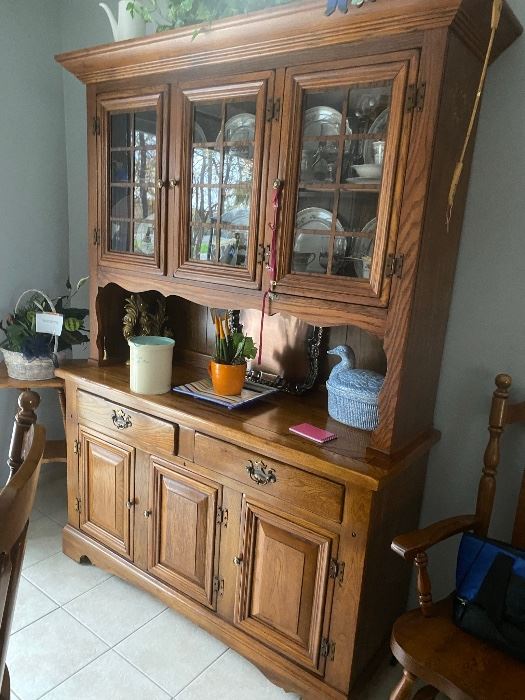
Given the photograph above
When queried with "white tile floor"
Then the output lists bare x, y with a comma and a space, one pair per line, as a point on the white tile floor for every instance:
81, 634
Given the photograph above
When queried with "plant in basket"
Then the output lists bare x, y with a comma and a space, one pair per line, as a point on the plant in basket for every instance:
228, 367
33, 354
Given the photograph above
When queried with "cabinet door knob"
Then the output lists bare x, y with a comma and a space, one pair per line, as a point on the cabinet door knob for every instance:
161, 184
147, 513
173, 182
130, 504
237, 560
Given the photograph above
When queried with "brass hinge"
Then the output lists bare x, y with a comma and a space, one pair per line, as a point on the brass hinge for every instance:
337, 570
95, 126
77, 504
394, 265
327, 649
96, 236
263, 253
415, 99
76, 447
222, 517
218, 585
273, 110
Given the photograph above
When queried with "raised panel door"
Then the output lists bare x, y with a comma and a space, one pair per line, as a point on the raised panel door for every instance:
132, 173
345, 142
182, 530
107, 491
284, 591
223, 162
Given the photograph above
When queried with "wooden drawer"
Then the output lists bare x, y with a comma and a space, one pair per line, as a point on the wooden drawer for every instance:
145, 432
305, 490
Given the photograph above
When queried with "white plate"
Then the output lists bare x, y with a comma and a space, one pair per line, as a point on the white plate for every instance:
241, 127
322, 121
379, 126
198, 133
317, 219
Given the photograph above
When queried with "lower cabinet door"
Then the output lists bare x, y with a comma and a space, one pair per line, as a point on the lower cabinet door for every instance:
107, 491
284, 591
182, 538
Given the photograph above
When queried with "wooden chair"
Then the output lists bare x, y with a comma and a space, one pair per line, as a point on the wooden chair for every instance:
16, 501
426, 642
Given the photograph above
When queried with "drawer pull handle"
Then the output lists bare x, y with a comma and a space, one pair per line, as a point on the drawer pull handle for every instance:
237, 560
259, 474
147, 513
120, 419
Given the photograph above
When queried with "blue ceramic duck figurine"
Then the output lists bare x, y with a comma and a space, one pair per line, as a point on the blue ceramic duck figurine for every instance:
353, 393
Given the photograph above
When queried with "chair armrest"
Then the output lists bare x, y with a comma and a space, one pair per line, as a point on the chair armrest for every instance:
411, 543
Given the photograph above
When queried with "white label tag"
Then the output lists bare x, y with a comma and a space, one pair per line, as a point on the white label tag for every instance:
48, 322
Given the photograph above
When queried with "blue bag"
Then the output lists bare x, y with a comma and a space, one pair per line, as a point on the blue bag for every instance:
490, 593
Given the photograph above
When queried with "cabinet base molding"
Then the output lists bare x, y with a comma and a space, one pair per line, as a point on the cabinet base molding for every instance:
76, 545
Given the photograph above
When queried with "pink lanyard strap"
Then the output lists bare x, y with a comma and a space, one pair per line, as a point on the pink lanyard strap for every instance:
272, 261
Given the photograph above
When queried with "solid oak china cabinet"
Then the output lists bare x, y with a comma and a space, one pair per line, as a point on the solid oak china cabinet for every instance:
305, 160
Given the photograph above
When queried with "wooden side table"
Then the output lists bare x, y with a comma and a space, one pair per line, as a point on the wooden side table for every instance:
55, 449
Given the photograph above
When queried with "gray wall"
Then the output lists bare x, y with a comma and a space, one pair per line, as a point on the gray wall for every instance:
486, 330
33, 203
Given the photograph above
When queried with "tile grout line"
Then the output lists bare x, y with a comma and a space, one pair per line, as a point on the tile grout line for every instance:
203, 671
75, 597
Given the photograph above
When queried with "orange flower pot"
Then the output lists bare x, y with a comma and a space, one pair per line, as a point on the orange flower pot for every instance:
227, 380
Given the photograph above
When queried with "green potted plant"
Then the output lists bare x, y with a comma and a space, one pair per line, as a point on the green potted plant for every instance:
32, 354
228, 367
170, 14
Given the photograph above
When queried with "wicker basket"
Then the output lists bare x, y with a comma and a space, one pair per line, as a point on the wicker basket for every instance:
39, 368
18, 367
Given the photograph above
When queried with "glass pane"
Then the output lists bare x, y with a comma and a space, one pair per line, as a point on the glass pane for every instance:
146, 166
120, 128
359, 172
315, 210
368, 108
121, 202
120, 166
206, 166
144, 204
357, 210
203, 245
233, 247
310, 253
144, 238
205, 204
145, 129
207, 122
238, 165
240, 121
120, 240
235, 205
319, 164
353, 256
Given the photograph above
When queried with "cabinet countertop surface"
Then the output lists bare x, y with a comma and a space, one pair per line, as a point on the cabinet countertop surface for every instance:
262, 426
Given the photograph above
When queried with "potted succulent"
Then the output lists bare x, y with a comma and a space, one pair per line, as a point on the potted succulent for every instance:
32, 354
228, 367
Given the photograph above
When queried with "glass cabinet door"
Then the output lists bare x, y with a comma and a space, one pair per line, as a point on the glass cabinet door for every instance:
344, 130
221, 180
131, 167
